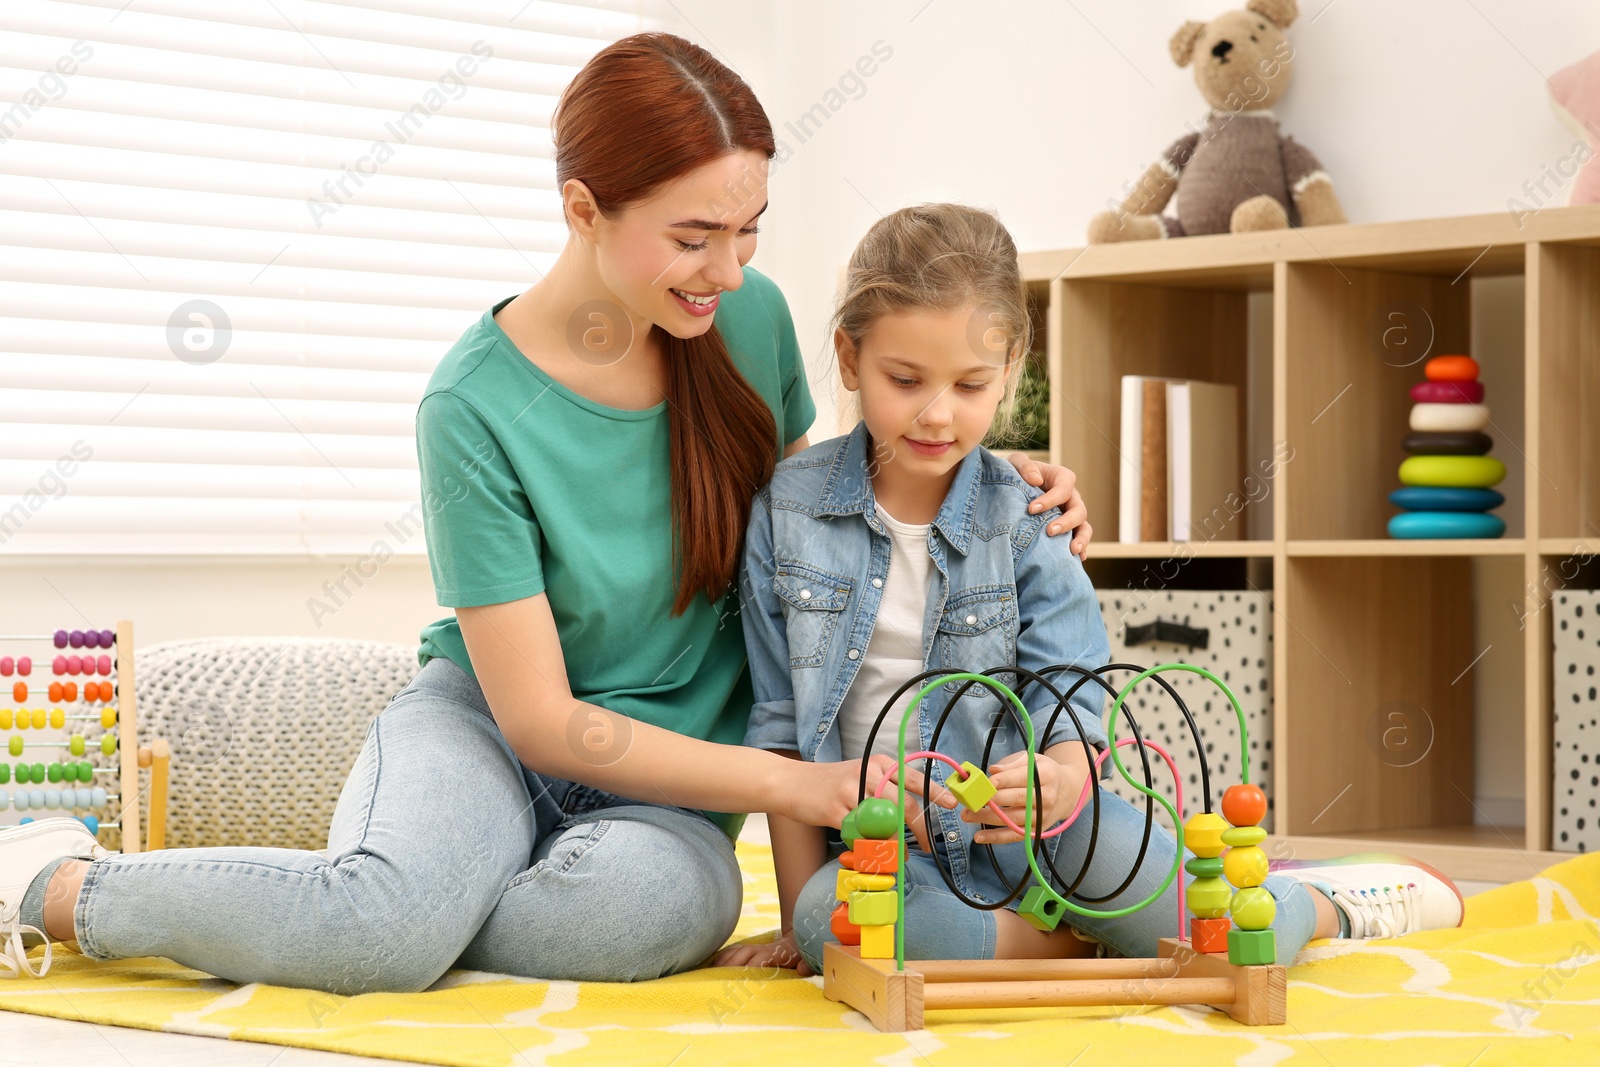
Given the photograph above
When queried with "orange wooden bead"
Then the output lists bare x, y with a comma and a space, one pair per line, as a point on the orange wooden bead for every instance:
70, 691
1244, 805
55, 692
19, 692
849, 933
1209, 935
847, 860
1451, 369
877, 857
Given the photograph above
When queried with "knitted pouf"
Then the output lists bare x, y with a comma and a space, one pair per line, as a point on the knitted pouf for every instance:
263, 731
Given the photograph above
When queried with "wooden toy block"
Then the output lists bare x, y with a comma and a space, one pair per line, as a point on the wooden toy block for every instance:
1209, 935
874, 909
876, 857
975, 790
1252, 947
1042, 912
877, 942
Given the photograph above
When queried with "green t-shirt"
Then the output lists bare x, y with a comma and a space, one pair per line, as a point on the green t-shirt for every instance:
529, 487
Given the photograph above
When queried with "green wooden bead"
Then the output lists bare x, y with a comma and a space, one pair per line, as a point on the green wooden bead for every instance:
876, 818
1042, 912
1252, 947
1204, 866
1209, 897
847, 829
5, 773
85, 771
38, 773
1239, 836
1253, 909
53, 772
874, 909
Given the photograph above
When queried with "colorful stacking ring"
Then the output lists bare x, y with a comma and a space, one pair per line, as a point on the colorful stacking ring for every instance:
1459, 472
1438, 498
1415, 524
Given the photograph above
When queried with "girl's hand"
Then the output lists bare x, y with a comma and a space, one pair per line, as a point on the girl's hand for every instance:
1060, 487
1061, 785
783, 952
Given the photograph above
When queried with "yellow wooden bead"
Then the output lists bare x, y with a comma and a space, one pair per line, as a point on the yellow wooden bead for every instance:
5, 718
1209, 897
1202, 834
1245, 867
1244, 835
975, 790
874, 909
58, 718
854, 881
1254, 909
38, 718
108, 717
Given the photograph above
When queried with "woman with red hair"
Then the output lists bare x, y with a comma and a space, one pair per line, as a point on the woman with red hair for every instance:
557, 792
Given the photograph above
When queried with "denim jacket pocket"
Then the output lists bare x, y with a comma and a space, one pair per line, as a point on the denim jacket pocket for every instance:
813, 600
977, 632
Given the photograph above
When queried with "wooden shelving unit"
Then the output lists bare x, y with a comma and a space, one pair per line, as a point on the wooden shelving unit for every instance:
1363, 623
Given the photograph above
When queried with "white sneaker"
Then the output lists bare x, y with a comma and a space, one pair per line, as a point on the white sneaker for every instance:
24, 852
1382, 895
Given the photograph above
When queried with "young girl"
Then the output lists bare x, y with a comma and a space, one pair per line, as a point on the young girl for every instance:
904, 546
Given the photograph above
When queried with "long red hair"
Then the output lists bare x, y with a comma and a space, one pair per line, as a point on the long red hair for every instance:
646, 111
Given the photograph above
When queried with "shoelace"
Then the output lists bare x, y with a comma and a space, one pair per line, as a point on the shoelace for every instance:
1380, 911
14, 962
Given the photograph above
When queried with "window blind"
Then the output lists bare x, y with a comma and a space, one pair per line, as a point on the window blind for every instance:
235, 239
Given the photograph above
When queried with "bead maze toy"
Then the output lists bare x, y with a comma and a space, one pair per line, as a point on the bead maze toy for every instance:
1227, 962
91, 732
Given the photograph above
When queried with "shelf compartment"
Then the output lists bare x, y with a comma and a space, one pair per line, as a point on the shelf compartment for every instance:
1565, 312
1377, 735
1508, 546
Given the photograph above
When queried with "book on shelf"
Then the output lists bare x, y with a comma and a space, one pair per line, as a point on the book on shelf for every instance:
1179, 460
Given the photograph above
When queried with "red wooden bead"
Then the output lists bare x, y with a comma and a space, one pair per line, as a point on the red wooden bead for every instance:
103, 665
1447, 393
848, 932
7, 665
25, 665
1244, 805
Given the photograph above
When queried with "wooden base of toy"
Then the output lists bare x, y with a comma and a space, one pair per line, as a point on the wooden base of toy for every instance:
895, 1000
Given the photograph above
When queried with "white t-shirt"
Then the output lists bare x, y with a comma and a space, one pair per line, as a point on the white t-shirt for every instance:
895, 652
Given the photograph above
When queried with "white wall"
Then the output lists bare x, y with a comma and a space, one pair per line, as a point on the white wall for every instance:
1419, 109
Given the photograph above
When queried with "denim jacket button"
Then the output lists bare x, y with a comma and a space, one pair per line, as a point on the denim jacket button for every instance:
805, 594
972, 620
952, 835
855, 653
877, 583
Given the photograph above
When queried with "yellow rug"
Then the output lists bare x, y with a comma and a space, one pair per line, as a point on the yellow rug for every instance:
1516, 985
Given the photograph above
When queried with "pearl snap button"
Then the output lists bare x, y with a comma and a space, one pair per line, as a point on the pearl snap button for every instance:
855, 653
972, 620
805, 594
877, 583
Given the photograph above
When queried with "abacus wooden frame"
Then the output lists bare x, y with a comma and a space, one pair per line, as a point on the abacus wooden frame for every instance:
895, 1000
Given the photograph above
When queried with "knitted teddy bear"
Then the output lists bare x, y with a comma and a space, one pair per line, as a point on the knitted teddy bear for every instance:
1238, 172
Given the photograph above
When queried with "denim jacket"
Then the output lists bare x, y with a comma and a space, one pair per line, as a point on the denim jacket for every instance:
816, 556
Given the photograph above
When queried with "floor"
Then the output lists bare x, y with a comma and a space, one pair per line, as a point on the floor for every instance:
29, 1040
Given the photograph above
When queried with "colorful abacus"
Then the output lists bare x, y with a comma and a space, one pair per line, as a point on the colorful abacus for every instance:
1448, 476
1246, 982
96, 718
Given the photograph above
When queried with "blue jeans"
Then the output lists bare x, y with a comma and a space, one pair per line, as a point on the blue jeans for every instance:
444, 852
940, 927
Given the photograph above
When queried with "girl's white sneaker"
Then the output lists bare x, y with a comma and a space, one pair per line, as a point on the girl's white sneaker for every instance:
1382, 895
24, 852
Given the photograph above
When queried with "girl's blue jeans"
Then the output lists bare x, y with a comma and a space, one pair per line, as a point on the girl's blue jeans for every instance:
940, 927
445, 851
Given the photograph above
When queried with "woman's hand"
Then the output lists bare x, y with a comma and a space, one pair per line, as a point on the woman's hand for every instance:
1060, 487
783, 952
822, 794
1060, 783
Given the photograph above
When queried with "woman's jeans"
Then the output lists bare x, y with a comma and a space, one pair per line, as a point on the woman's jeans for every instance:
444, 852
940, 927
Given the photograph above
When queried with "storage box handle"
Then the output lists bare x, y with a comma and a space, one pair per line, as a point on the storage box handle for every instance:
1161, 630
